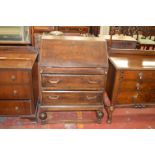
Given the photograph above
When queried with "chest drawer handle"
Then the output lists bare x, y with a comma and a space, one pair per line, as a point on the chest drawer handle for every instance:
13, 77
134, 98
14, 92
16, 108
138, 86
93, 82
53, 97
54, 81
140, 75
91, 97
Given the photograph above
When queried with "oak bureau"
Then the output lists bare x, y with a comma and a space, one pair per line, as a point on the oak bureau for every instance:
130, 80
72, 74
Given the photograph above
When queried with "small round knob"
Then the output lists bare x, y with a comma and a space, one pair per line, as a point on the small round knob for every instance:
13, 77
16, 108
14, 92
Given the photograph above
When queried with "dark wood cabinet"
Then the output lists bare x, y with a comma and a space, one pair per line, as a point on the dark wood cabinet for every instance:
121, 42
18, 82
74, 29
72, 74
130, 81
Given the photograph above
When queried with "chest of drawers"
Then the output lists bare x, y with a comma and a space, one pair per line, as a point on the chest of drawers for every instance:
72, 74
130, 82
18, 83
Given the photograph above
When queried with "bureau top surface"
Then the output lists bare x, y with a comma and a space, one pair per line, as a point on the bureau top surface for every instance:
13, 60
135, 62
73, 51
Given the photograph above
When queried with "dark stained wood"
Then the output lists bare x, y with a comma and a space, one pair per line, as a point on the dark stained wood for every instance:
132, 84
119, 52
120, 42
15, 92
72, 74
74, 70
136, 62
74, 29
73, 82
15, 107
14, 76
72, 97
71, 108
18, 82
132, 97
42, 29
73, 52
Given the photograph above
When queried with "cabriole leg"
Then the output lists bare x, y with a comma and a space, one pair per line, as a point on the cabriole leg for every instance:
109, 110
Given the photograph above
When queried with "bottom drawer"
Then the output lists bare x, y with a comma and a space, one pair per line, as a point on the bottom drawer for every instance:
72, 97
15, 107
135, 97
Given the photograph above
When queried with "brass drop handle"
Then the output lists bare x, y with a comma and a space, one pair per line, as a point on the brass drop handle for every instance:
54, 81
14, 92
140, 75
91, 97
134, 98
138, 86
13, 77
53, 97
93, 82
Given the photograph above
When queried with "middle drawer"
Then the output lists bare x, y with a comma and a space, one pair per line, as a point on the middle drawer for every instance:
72, 82
15, 92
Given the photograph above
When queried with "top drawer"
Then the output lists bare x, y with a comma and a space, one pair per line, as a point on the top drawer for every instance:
14, 77
73, 82
138, 75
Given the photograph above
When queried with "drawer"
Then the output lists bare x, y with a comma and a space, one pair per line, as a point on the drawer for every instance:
135, 97
72, 97
73, 82
137, 86
138, 75
15, 107
14, 77
15, 92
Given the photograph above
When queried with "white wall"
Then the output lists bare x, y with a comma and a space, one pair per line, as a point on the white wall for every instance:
104, 30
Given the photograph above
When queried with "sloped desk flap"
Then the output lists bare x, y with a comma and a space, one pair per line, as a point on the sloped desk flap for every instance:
69, 51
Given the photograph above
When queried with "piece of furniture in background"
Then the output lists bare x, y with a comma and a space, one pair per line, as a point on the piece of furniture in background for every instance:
120, 41
16, 35
18, 81
145, 35
74, 29
130, 80
72, 74
93, 30
43, 29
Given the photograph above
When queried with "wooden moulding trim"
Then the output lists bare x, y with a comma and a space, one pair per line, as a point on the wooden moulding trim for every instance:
131, 51
71, 107
147, 105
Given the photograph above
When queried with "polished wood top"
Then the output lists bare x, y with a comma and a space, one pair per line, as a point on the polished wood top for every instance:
13, 60
73, 51
133, 62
